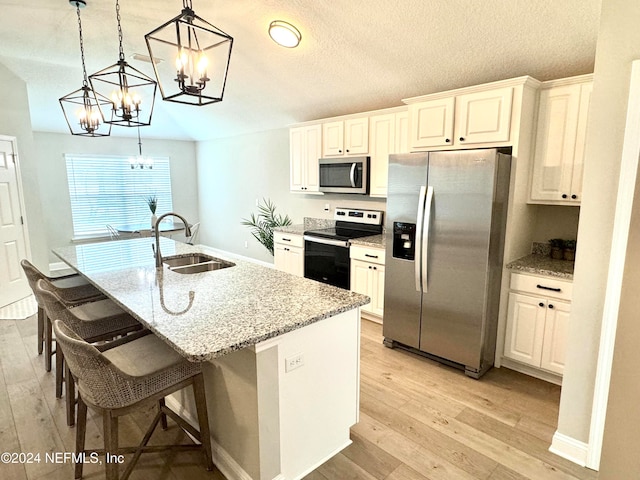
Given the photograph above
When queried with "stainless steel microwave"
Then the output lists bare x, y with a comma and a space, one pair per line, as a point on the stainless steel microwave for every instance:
344, 175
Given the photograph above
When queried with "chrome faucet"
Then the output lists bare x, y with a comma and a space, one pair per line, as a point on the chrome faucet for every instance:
156, 250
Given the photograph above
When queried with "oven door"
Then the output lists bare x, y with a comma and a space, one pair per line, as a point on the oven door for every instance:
327, 261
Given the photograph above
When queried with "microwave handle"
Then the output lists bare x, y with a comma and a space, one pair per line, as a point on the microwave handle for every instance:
352, 175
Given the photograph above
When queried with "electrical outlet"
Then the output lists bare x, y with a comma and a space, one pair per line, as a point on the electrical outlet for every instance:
246, 244
293, 362
327, 207
257, 202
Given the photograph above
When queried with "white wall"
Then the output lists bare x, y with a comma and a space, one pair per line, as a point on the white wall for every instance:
233, 172
54, 192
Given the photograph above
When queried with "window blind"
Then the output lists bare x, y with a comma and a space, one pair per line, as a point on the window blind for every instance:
105, 190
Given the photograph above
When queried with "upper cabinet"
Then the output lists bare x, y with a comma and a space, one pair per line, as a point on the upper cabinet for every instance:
560, 139
345, 137
457, 121
388, 134
305, 144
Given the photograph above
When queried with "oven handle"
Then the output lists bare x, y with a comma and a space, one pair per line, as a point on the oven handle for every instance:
327, 241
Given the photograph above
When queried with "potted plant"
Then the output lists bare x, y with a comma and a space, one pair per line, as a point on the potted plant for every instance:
569, 252
262, 225
152, 202
557, 245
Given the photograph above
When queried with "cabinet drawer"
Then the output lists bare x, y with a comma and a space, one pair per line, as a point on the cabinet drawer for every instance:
546, 286
292, 239
367, 254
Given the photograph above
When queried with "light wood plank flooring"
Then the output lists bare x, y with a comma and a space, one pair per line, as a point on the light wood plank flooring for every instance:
418, 420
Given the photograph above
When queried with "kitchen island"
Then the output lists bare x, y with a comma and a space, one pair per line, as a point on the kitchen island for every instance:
280, 353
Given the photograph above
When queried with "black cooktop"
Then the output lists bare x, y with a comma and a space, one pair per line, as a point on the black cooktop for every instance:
346, 231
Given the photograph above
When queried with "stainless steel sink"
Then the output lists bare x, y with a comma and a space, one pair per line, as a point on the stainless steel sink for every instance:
195, 263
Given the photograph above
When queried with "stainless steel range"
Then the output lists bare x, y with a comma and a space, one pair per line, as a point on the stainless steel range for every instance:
326, 251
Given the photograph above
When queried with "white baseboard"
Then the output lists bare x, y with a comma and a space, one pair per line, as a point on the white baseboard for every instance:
531, 371
567, 447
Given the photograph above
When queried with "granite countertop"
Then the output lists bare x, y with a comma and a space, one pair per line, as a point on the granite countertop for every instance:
205, 315
297, 229
376, 241
543, 265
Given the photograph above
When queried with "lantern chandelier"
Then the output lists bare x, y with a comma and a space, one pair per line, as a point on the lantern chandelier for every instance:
81, 108
140, 161
202, 53
131, 92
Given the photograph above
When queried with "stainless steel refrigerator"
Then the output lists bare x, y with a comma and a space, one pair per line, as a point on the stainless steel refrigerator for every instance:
445, 223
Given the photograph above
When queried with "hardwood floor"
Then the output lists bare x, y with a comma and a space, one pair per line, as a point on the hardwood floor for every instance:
418, 420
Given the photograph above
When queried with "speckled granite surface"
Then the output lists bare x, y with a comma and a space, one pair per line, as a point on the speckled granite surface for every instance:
376, 241
205, 315
543, 265
293, 229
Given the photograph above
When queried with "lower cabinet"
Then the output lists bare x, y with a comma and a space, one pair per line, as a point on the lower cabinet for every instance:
288, 253
367, 278
537, 322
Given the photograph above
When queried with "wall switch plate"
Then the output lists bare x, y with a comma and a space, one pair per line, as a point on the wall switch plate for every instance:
293, 362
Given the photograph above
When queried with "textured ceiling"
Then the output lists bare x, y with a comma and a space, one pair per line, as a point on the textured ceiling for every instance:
355, 55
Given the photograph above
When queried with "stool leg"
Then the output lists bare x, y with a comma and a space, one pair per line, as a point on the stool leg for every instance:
40, 329
110, 425
48, 344
203, 417
81, 428
163, 416
59, 371
70, 393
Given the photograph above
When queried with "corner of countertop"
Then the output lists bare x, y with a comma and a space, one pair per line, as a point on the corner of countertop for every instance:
543, 265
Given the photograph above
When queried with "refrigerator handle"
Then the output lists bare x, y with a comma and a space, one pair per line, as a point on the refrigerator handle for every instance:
425, 243
418, 240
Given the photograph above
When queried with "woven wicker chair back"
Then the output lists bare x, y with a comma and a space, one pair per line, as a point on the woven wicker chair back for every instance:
33, 275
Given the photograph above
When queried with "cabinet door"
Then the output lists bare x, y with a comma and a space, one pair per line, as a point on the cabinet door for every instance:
280, 257
581, 140
360, 280
313, 151
356, 136
525, 328
297, 158
555, 336
382, 128
402, 132
484, 117
555, 144
377, 290
295, 261
431, 123
333, 139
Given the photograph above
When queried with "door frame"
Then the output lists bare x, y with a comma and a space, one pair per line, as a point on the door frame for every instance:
23, 209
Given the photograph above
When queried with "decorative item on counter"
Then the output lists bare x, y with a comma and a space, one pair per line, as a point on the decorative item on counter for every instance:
262, 225
569, 252
557, 245
152, 201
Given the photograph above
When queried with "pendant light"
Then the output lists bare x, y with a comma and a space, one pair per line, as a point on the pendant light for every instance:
140, 161
201, 51
131, 92
81, 108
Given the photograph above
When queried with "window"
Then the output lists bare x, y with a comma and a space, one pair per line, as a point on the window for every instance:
105, 190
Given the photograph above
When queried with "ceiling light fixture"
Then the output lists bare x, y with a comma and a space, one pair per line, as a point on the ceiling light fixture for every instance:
201, 52
81, 107
132, 93
284, 34
139, 160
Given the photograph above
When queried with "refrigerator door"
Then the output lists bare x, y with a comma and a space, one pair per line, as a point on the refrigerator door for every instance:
457, 257
406, 197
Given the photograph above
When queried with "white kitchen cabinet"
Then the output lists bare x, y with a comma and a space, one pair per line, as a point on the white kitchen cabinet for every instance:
305, 150
388, 134
473, 119
367, 278
563, 110
345, 137
537, 322
288, 253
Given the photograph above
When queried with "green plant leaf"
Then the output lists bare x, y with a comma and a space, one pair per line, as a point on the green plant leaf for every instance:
264, 222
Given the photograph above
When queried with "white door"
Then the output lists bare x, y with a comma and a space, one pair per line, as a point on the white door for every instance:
555, 336
13, 247
525, 328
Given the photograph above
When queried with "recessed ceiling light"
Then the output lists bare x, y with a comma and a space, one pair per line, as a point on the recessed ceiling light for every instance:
284, 34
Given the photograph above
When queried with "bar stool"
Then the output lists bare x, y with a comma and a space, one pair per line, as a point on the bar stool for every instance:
93, 322
120, 376
73, 289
